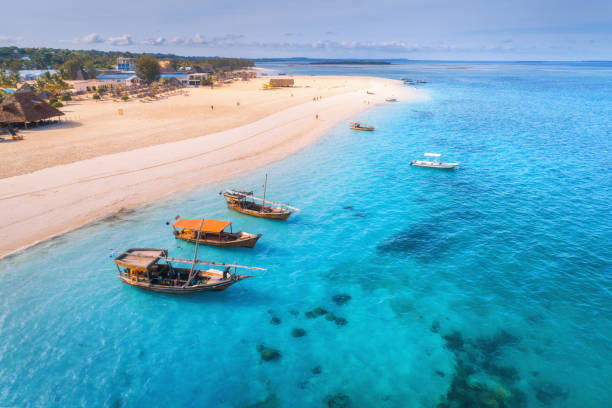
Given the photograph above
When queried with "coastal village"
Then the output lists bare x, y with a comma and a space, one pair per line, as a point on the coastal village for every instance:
37, 99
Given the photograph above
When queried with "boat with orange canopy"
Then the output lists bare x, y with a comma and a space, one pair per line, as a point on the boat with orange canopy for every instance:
213, 233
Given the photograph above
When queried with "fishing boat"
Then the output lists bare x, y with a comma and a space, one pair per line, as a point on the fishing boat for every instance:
151, 269
433, 164
213, 233
391, 99
246, 203
361, 126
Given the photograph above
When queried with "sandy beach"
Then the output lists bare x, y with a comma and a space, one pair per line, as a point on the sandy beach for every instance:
100, 162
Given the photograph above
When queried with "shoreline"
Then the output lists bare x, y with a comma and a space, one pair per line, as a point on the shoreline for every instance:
41, 207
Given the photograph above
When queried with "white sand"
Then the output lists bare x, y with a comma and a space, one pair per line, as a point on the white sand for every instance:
39, 205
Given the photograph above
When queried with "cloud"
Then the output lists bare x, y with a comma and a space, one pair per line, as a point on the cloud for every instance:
227, 38
197, 40
9, 39
122, 40
155, 41
92, 38
177, 41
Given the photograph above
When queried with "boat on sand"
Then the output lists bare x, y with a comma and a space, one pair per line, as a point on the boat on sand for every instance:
434, 164
213, 233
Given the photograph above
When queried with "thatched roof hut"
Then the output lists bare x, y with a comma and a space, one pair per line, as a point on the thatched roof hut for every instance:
25, 107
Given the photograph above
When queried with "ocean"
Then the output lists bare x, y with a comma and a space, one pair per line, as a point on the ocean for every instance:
487, 286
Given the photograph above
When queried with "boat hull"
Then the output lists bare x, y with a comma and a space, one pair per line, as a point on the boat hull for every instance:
178, 290
269, 215
241, 242
430, 165
365, 129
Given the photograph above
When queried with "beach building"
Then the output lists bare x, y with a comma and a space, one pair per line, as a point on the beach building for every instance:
281, 82
126, 64
194, 79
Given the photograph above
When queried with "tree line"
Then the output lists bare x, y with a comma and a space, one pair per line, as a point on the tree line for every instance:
69, 62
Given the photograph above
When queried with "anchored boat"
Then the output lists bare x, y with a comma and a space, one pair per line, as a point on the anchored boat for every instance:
213, 233
151, 269
244, 202
361, 126
433, 164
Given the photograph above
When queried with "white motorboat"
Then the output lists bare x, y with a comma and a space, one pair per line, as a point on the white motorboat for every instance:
434, 163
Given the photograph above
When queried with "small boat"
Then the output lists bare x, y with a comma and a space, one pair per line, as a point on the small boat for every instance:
151, 269
244, 202
361, 126
370, 92
212, 232
391, 99
433, 164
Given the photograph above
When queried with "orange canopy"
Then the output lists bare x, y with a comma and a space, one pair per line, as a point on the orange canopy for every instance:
208, 226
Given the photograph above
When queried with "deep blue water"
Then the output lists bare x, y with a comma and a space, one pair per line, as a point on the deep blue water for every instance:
486, 286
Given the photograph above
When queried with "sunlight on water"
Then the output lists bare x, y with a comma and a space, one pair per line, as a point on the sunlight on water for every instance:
485, 286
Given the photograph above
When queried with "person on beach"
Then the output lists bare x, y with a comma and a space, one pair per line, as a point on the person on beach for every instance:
212, 107
317, 116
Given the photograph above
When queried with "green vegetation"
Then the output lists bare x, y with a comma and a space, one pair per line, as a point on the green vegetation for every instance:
148, 69
51, 83
57, 104
125, 98
206, 81
2, 95
15, 58
9, 80
96, 96
65, 98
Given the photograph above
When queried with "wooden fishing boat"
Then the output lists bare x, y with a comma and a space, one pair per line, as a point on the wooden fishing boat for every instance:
212, 232
361, 126
151, 269
434, 164
244, 202
391, 99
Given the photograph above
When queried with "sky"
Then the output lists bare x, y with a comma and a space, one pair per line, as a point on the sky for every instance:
411, 29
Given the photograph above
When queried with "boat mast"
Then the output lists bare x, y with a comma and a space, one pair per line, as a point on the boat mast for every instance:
263, 204
195, 254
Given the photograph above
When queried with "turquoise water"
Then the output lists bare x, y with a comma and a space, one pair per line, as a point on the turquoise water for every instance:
486, 286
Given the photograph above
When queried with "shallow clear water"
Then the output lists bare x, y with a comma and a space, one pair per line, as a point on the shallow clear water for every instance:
487, 285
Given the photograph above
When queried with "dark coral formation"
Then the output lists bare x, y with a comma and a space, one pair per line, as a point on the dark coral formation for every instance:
271, 401
547, 392
317, 370
435, 326
338, 401
341, 299
275, 320
268, 354
464, 393
298, 332
482, 354
341, 321
316, 312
